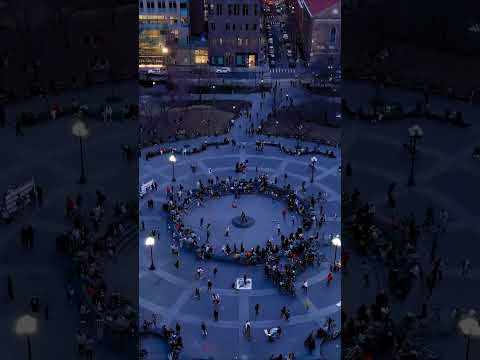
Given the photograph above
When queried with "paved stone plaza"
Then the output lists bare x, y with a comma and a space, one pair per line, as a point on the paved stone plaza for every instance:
168, 292
446, 178
49, 154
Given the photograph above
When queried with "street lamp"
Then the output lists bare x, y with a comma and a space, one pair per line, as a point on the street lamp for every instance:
299, 130
150, 242
415, 132
469, 326
336, 242
313, 162
80, 130
173, 160
164, 50
27, 325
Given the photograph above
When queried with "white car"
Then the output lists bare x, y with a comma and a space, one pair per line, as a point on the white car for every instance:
161, 71
285, 37
270, 40
223, 70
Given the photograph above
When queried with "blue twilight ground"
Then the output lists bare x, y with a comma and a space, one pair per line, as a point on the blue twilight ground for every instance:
168, 292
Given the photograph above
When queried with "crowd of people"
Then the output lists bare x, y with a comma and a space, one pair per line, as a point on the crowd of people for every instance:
91, 242
293, 246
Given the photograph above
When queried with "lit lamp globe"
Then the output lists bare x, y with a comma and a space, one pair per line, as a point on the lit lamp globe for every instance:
26, 326
469, 327
80, 129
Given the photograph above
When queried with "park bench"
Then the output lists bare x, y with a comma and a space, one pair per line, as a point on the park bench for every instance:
16, 199
145, 188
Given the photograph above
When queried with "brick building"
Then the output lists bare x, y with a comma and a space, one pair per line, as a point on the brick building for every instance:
234, 32
316, 27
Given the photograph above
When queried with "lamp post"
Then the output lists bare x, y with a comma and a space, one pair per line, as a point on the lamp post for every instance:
80, 130
415, 132
150, 242
173, 160
469, 326
313, 162
336, 242
299, 130
27, 325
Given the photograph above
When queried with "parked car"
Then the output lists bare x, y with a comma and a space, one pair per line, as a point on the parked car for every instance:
223, 70
292, 63
272, 63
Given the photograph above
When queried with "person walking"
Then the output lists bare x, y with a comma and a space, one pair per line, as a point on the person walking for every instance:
215, 270
203, 327
227, 231
18, 128
10, 288
177, 264
329, 278
215, 314
39, 195
305, 286
257, 309
197, 293
209, 285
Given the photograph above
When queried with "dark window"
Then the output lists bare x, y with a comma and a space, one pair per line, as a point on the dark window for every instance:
254, 27
229, 9
212, 26
233, 26
227, 26
246, 27
236, 9
219, 9
141, 4
255, 11
183, 5
170, 5
245, 10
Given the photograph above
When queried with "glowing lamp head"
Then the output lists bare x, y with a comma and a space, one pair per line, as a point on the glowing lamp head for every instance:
26, 325
150, 241
336, 241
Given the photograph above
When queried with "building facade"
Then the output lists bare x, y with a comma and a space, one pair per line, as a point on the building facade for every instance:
317, 31
235, 32
164, 26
